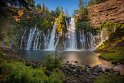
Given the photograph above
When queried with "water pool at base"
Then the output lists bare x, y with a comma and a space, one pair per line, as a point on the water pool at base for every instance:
73, 57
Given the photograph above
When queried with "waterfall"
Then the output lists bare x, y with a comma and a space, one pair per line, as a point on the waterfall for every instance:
72, 40
52, 42
83, 40
66, 24
92, 42
72, 37
36, 40
103, 35
30, 38
23, 38
46, 39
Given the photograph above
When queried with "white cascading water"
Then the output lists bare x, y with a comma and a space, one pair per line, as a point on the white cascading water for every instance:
92, 42
52, 43
30, 38
66, 24
72, 37
103, 37
46, 39
23, 38
83, 39
87, 39
36, 39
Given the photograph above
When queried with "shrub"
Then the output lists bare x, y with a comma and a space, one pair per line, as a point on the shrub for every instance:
56, 77
82, 25
110, 78
23, 74
51, 62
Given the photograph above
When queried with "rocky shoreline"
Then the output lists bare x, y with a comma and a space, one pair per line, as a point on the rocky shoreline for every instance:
85, 73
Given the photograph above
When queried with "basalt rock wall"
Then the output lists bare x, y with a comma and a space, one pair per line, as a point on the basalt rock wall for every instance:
112, 10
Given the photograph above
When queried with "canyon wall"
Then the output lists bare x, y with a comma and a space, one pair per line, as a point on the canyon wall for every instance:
112, 10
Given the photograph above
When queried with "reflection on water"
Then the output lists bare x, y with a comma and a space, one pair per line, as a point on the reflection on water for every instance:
74, 57
85, 58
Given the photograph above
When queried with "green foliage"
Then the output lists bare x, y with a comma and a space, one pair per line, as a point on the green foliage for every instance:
1, 54
116, 30
56, 77
111, 25
115, 38
61, 22
23, 74
82, 25
13, 71
94, 2
82, 11
110, 78
57, 11
81, 16
116, 54
75, 13
19, 73
104, 45
41, 17
13, 35
114, 57
52, 62
44, 9
113, 48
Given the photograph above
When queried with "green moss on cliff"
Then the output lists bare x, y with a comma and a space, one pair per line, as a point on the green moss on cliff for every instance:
112, 49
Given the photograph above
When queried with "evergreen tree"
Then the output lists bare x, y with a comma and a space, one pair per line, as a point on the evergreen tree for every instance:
82, 11
81, 4
44, 9
57, 11
38, 7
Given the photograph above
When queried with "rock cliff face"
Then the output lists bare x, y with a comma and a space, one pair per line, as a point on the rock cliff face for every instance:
112, 10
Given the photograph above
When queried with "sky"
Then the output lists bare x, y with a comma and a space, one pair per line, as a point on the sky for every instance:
68, 5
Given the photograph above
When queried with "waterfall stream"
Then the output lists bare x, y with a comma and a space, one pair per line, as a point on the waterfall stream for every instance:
71, 37
30, 38
73, 40
52, 43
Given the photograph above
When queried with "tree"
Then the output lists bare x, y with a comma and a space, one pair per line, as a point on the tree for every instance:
60, 24
75, 13
53, 13
44, 9
38, 7
82, 12
66, 13
57, 11
81, 4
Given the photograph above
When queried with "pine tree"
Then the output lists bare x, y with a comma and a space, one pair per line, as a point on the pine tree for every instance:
82, 10
44, 9
57, 11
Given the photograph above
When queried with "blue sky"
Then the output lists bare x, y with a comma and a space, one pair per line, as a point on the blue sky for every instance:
68, 5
